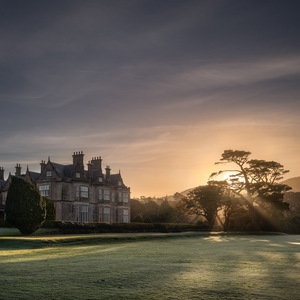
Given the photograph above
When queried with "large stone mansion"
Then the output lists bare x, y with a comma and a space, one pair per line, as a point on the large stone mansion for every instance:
78, 194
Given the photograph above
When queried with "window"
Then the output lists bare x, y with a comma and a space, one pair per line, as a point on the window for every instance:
100, 214
125, 197
77, 175
113, 196
71, 211
44, 190
77, 191
115, 214
100, 179
119, 183
49, 173
106, 214
106, 195
77, 213
120, 196
84, 192
94, 213
125, 215
84, 214
120, 219
100, 195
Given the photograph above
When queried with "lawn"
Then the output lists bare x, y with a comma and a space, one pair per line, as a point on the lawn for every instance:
183, 266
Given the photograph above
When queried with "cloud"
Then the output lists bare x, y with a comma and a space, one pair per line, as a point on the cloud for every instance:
159, 89
232, 74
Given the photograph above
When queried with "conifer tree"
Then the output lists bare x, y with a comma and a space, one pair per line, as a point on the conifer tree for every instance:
25, 209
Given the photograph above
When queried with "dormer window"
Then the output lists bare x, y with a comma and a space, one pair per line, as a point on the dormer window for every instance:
77, 175
119, 183
100, 179
49, 173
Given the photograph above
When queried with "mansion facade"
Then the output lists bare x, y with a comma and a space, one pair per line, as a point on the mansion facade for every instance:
78, 194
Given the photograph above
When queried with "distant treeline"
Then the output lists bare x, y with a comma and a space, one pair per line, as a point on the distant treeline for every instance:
159, 210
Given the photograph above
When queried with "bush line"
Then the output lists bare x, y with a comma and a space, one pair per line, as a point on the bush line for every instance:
82, 227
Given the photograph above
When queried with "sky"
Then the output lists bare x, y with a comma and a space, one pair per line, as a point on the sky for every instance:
158, 89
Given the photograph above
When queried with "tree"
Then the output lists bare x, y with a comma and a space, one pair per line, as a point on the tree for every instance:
136, 209
256, 184
165, 212
25, 208
203, 201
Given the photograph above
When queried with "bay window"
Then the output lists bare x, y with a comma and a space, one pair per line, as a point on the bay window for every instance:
44, 190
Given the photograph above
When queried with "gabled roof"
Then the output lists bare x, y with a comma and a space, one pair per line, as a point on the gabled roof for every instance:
115, 178
34, 176
67, 171
64, 170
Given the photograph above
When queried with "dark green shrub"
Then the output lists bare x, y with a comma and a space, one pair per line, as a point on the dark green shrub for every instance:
138, 219
81, 227
133, 227
292, 225
147, 220
51, 224
3, 223
160, 227
50, 209
25, 208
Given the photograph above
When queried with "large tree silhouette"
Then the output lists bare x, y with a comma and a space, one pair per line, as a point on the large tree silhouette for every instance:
255, 183
203, 201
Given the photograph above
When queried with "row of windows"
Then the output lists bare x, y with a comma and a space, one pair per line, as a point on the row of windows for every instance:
83, 192
82, 214
103, 194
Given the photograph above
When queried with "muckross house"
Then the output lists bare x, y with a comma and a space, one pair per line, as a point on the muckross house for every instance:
79, 195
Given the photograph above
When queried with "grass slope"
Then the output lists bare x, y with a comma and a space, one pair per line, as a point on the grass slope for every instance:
186, 267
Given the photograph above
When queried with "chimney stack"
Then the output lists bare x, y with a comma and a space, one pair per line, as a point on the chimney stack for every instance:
107, 169
97, 163
43, 165
78, 158
1, 173
90, 170
18, 170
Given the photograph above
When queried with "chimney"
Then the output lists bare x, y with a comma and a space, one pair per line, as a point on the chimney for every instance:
18, 170
107, 169
90, 170
97, 163
78, 158
1, 173
43, 165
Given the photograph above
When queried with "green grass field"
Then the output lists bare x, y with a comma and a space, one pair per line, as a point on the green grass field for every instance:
154, 266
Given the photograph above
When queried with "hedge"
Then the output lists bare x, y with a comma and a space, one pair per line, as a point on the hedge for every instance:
83, 227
